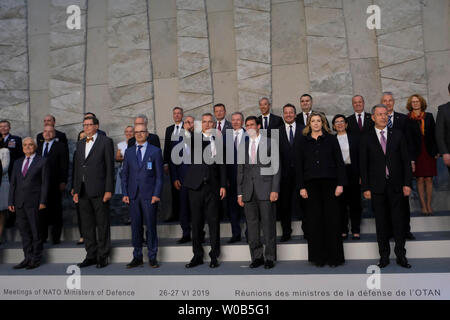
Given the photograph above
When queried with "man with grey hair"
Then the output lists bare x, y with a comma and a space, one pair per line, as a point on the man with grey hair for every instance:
50, 120
386, 178
267, 119
27, 197
153, 139
360, 121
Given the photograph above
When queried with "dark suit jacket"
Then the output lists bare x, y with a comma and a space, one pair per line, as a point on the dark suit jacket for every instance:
443, 128
14, 144
101, 132
60, 136
226, 126
415, 136
1, 172
31, 190
58, 163
232, 167
275, 122
153, 139
136, 177
168, 143
97, 170
373, 161
287, 152
354, 141
214, 173
178, 171
400, 121
353, 124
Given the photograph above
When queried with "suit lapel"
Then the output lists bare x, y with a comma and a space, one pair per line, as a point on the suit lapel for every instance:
93, 147
146, 156
32, 165
376, 142
389, 141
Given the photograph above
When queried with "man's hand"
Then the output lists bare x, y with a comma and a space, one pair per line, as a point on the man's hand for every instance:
126, 199
75, 197
177, 184
223, 193
62, 186
12, 208
304, 193
107, 196
155, 200
367, 195
413, 166
42, 206
339, 191
240, 202
406, 191
273, 196
446, 157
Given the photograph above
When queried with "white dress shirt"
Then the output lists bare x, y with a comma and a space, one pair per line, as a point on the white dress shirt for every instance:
288, 130
345, 147
362, 117
256, 140
263, 121
122, 146
180, 126
50, 143
385, 132
305, 116
89, 145
212, 143
239, 134
25, 161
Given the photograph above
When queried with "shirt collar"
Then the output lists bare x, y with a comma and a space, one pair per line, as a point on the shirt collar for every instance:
257, 139
379, 130
238, 131
362, 114
31, 157
144, 145
94, 136
292, 124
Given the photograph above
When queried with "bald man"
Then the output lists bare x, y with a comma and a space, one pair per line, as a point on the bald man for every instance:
27, 197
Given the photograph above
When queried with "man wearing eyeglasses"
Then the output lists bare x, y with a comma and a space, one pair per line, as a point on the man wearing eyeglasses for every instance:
93, 186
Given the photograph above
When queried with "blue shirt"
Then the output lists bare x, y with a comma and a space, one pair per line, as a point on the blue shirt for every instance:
143, 149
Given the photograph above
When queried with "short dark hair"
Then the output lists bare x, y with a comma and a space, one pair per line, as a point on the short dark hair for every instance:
94, 120
290, 106
178, 108
306, 95
338, 116
91, 113
9, 123
380, 105
250, 118
207, 114
219, 105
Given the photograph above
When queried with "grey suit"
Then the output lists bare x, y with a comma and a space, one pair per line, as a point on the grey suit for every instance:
443, 129
255, 189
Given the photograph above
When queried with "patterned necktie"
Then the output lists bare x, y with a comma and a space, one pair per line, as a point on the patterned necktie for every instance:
46, 150
265, 122
291, 135
390, 122
139, 155
360, 122
90, 139
25, 168
383, 146
253, 152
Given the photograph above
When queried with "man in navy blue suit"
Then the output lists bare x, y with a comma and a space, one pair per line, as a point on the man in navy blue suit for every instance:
142, 180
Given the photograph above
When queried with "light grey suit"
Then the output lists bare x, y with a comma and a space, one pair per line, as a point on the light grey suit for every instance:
255, 189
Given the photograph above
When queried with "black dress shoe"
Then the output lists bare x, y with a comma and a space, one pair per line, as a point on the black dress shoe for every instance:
256, 263
22, 265
184, 240
153, 263
410, 236
87, 262
383, 262
33, 265
285, 238
214, 263
193, 263
135, 263
79, 243
268, 264
356, 237
234, 240
344, 237
103, 262
403, 262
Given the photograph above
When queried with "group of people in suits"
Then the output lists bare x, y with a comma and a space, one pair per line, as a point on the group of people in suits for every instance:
262, 168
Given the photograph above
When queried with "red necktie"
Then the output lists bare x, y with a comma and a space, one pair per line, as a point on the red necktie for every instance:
219, 127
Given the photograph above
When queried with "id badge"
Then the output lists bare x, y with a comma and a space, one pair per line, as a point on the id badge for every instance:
11, 144
149, 165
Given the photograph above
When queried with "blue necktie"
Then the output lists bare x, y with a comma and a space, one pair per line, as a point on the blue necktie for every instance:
390, 122
139, 156
46, 150
291, 135
265, 122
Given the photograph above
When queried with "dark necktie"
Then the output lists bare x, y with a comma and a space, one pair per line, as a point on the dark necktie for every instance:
139, 155
25, 168
360, 122
265, 122
219, 127
383, 146
46, 150
390, 122
291, 135
176, 130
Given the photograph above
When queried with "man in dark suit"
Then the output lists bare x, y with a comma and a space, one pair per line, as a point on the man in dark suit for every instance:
221, 124
306, 102
234, 141
206, 181
50, 120
289, 140
13, 143
55, 152
258, 183
142, 180
27, 197
153, 139
172, 133
360, 122
386, 179
178, 170
93, 186
443, 131
268, 120
397, 120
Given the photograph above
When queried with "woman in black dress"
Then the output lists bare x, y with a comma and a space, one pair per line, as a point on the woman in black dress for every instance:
320, 178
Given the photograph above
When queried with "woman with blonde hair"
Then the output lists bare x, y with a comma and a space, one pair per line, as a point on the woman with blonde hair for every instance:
423, 148
320, 179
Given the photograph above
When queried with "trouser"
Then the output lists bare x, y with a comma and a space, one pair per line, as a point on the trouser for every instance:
28, 223
52, 215
350, 204
288, 202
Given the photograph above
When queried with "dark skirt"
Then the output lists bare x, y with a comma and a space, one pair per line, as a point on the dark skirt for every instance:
425, 164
